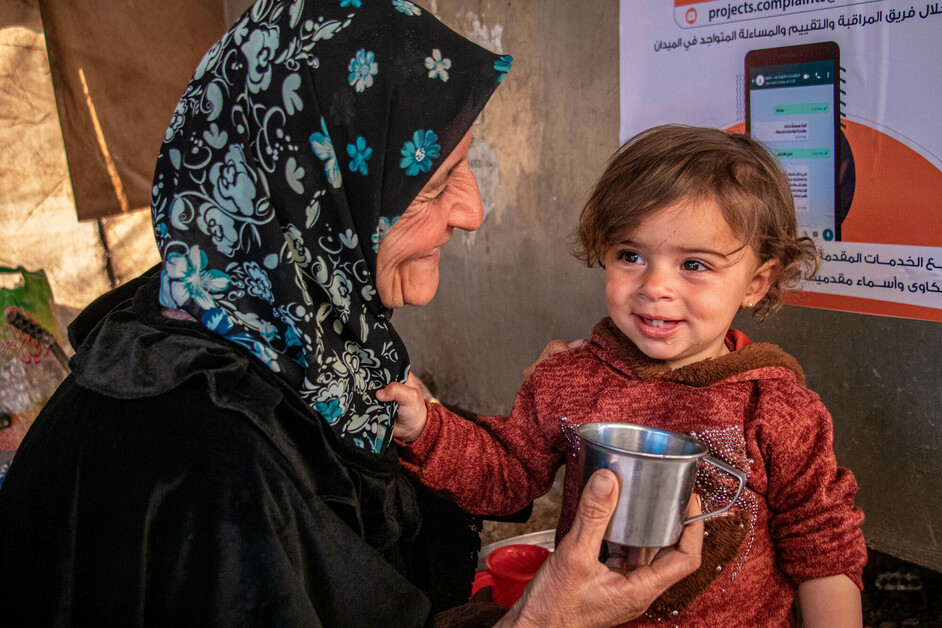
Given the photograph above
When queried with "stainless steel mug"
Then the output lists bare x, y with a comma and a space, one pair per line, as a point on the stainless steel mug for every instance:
656, 472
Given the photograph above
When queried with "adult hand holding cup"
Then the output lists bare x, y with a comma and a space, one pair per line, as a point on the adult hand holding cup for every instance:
574, 589
656, 471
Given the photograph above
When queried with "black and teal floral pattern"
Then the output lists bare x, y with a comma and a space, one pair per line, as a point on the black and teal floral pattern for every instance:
305, 133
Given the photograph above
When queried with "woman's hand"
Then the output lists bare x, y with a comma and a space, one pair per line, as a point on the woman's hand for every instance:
412, 412
573, 589
553, 347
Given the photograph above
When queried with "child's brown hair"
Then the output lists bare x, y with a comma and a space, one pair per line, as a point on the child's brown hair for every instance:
667, 163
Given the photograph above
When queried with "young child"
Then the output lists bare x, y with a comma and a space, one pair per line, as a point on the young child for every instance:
690, 224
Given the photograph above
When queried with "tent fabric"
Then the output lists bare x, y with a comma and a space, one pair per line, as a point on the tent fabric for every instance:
118, 70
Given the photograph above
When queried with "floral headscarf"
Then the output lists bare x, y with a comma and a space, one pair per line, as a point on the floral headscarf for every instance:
303, 136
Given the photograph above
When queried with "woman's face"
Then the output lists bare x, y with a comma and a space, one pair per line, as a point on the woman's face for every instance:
407, 258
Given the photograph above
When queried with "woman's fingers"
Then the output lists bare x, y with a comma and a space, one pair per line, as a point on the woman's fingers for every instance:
595, 509
553, 347
673, 563
573, 589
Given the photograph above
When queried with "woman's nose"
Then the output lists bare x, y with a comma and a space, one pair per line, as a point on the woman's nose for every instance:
467, 210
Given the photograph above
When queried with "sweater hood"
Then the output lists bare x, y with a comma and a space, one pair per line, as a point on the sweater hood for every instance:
613, 347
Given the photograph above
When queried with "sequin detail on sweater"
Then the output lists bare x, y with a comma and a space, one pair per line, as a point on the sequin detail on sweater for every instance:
571, 436
716, 487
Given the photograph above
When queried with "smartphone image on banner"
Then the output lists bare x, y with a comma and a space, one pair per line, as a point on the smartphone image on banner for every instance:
793, 107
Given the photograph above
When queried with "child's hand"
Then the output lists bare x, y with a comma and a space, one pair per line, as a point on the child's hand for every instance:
412, 413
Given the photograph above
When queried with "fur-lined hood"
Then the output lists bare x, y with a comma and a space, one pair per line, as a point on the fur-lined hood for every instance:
612, 346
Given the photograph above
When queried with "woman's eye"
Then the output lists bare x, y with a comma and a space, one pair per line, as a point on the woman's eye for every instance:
429, 195
456, 180
694, 265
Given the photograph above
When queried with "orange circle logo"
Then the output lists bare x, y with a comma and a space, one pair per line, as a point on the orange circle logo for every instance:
691, 15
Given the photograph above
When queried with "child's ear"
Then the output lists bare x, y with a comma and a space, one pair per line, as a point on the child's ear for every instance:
761, 282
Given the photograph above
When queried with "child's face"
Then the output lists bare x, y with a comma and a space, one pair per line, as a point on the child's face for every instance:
674, 285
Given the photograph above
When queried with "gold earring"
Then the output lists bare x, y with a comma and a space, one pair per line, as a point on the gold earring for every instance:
749, 305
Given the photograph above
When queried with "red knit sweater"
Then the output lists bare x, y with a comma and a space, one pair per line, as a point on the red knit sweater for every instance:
795, 521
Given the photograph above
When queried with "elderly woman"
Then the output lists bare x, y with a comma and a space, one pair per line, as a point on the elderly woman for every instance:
218, 456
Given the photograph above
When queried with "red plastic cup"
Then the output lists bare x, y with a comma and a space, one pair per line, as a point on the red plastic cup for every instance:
512, 567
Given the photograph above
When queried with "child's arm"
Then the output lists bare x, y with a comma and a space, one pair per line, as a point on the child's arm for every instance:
490, 466
815, 524
412, 412
833, 602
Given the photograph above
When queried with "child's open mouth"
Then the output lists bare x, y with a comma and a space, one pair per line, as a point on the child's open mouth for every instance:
657, 327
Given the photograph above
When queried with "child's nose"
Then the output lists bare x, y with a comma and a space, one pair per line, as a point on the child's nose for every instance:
658, 283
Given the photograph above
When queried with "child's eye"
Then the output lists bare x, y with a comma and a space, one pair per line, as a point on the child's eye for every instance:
694, 265
630, 257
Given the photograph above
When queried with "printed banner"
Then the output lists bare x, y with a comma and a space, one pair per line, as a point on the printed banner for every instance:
846, 94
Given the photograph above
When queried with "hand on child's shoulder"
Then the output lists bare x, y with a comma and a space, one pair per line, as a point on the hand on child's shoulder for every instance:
557, 345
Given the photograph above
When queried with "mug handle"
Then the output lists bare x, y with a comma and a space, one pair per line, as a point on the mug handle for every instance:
739, 475
481, 580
